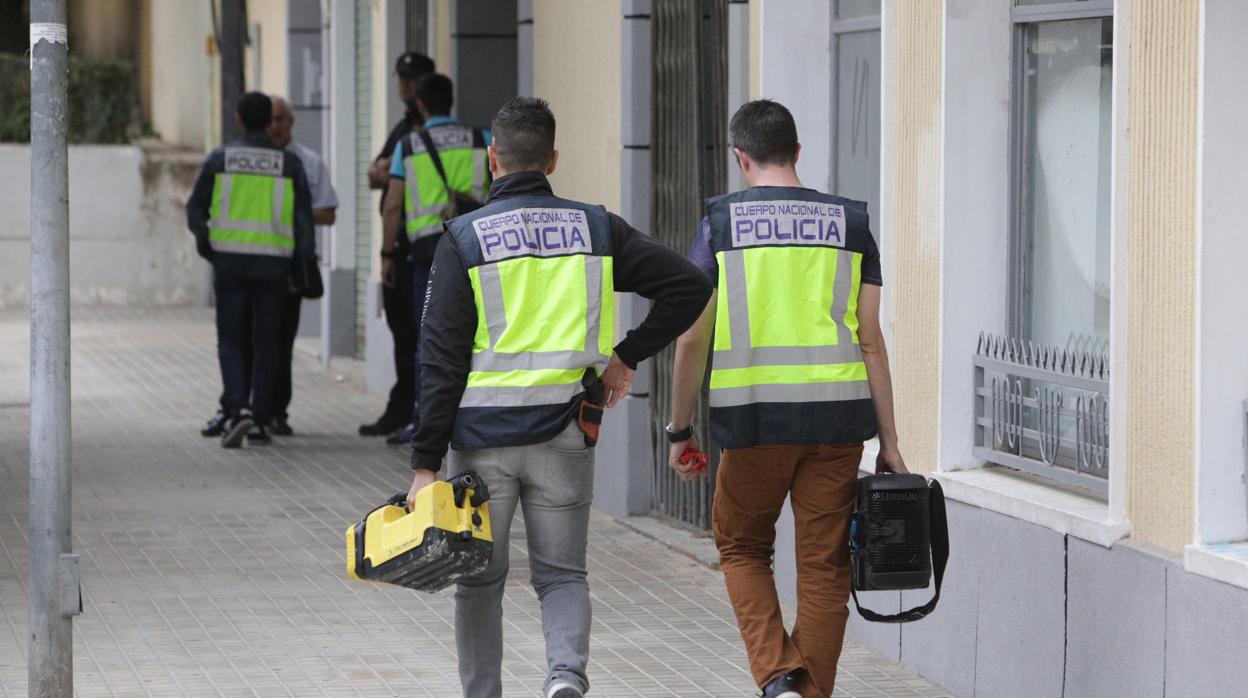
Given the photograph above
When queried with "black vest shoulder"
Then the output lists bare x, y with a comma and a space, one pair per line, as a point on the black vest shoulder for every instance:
445, 137
531, 225
787, 217
245, 156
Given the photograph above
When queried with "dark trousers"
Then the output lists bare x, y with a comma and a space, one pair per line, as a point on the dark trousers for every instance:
420, 279
397, 302
290, 328
249, 315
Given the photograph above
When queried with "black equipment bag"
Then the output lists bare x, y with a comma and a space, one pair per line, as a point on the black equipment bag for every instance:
460, 203
898, 521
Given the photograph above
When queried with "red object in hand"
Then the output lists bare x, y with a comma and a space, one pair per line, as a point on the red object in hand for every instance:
695, 457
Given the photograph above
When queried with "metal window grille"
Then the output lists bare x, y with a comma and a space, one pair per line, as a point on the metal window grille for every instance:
1044, 410
418, 26
689, 161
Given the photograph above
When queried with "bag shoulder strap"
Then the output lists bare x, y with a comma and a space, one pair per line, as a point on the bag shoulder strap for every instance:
940, 556
433, 155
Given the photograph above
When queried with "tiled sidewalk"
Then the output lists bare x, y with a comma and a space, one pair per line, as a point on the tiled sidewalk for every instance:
214, 572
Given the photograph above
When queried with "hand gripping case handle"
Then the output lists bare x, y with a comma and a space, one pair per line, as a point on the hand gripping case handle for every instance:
461, 482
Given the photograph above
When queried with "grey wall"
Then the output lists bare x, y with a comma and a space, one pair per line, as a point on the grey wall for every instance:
625, 462
484, 39
128, 242
1029, 612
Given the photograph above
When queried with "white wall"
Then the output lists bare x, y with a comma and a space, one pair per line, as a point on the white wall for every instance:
181, 79
128, 239
796, 57
1222, 313
975, 229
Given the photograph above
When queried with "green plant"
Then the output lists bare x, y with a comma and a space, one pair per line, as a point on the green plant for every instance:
103, 99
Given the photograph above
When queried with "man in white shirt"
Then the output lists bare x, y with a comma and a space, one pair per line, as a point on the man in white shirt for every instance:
324, 205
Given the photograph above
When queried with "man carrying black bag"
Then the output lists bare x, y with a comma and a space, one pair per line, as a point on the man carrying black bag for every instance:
799, 381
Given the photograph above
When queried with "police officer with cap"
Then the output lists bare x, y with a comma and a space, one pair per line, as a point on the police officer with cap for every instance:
396, 298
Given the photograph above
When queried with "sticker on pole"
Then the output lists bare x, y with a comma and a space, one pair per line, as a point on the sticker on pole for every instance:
51, 32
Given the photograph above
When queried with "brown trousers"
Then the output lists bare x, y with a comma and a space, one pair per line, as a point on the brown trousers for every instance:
751, 487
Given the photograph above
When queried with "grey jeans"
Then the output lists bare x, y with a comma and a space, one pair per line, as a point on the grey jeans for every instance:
554, 483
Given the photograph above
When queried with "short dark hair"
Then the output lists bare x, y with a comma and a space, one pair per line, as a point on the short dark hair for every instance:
255, 110
437, 92
524, 134
411, 65
765, 131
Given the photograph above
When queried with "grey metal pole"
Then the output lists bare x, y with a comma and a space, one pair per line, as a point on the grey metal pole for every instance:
233, 37
53, 571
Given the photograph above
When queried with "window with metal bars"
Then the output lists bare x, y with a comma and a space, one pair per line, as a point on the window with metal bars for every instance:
689, 163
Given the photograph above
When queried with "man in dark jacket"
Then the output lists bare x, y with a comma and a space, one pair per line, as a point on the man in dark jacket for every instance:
519, 328
396, 297
251, 214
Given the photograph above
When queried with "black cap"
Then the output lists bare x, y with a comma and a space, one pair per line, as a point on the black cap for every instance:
412, 65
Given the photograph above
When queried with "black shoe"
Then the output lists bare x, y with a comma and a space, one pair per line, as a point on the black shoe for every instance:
235, 431
784, 686
279, 427
382, 427
402, 436
216, 425
258, 436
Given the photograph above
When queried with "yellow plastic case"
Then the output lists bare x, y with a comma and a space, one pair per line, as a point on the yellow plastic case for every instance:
445, 538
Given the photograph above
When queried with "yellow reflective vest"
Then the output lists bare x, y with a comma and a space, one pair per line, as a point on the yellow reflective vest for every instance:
426, 198
542, 280
253, 204
786, 364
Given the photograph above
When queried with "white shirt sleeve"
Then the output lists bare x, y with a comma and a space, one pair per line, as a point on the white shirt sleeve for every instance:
323, 195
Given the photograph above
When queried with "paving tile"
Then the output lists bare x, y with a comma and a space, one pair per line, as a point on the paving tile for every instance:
209, 572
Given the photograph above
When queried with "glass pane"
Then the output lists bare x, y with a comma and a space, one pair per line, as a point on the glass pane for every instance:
857, 148
1046, 2
846, 9
1066, 203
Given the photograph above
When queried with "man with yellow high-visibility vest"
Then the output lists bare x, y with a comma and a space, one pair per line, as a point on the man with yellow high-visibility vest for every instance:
438, 172
519, 328
251, 214
799, 380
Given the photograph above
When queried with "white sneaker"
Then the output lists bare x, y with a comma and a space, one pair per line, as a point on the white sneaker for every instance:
563, 689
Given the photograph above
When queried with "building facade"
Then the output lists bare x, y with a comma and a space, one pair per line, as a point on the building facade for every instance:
1052, 185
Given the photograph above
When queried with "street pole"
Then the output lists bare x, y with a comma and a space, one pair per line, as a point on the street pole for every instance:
53, 580
233, 36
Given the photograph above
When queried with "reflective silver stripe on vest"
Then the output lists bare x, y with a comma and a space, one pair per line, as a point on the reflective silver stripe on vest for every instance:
738, 300
788, 356
842, 288
520, 397
799, 392
244, 248
492, 299
496, 323
224, 222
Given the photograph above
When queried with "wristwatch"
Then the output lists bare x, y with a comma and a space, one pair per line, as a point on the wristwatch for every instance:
392, 254
678, 436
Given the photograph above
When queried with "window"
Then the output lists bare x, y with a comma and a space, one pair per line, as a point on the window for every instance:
1041, 392
856, 87
1061, 209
